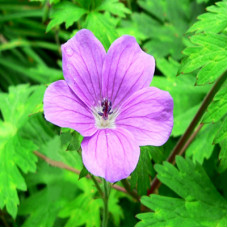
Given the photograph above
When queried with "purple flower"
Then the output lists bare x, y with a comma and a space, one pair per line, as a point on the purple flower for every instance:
106, 98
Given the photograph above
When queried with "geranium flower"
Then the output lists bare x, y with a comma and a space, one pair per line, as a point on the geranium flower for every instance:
106, 98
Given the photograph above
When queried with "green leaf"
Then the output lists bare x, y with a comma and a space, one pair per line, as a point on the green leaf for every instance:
218, 107
74, 143
102, 27
15, 153
202, 1
61, 187
20, 14
38, 73
222, 132
115, 209
221, 138
158, 153
65, 12
140, 176
129, 27
15, 150
87, 4
202, 146
206, 52
214, 21
43, 206
166, 28
19, 103
200, 203
156, 8
114, 7
55, 149
223, 156
81, 208
85, 206
84, 172
37, 129
25, 43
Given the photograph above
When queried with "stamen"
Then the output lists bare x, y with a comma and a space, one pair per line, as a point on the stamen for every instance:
104, 115
106, 109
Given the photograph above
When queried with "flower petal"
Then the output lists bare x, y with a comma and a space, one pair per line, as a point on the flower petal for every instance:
126, 70
110, 153
83, 57
148, 115
64, 109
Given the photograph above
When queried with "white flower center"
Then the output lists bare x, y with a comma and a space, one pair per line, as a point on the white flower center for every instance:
104, 115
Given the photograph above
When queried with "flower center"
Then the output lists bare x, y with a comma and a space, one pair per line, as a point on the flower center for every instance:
104, 115
106, 109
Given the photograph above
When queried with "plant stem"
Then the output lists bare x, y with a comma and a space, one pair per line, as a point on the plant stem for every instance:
186, 138
97, 186
207, 100
128, 189
105, 199
189, 141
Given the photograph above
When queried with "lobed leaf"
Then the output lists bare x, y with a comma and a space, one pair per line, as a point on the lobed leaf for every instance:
165, 28
200, 203
223, 156
206, 52
202, 146
65, 12
218, 107
102, 27
43, 206
221, 134
114, 7
215, 20
15, 150
140, 177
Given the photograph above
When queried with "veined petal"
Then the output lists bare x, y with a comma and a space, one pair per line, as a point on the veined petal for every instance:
110, 153
126, 70
83, 57
64, 109
148, 115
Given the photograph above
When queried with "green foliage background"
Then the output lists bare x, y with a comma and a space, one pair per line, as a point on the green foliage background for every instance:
188, 39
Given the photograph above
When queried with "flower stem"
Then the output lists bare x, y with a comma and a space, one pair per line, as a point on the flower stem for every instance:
97, 186
128, 189
184, 141
105, 199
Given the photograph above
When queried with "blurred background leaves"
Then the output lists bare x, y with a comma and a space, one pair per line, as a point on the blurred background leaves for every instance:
187, 38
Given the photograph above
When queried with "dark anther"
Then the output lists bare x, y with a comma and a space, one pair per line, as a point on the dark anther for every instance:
106, 108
